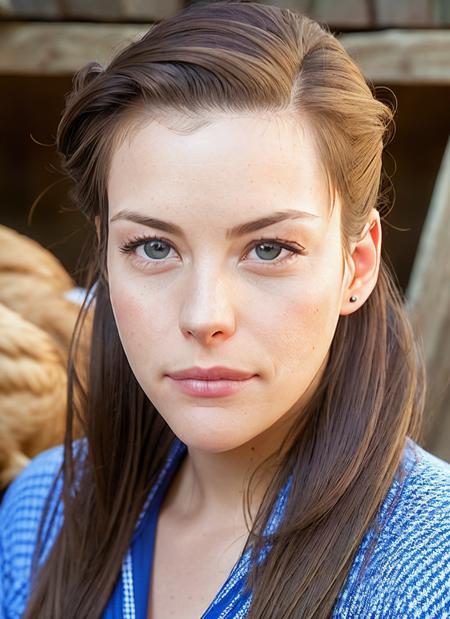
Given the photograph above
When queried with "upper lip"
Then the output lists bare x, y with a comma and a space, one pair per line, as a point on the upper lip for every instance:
214, 373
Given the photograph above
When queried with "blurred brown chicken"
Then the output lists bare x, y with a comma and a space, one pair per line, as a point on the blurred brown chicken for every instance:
36, 325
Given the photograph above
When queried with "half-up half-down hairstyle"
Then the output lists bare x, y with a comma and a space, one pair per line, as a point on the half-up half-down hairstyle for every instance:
346, 445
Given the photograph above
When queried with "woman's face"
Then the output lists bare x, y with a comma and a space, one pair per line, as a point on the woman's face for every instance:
264, 299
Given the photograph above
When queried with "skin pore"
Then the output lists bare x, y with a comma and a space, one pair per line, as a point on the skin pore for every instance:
205, 298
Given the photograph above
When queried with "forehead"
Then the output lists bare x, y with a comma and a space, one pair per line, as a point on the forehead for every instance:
251, 161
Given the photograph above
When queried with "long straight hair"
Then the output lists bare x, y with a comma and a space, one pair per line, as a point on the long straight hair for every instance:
346, 445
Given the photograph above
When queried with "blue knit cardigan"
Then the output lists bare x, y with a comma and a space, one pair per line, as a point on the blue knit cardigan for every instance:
408, 575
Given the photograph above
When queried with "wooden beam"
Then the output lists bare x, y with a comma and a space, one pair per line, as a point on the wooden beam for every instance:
349, 13
418, 13
428, 297
58, 48
372, 13
117, 10
40, 48
402, 56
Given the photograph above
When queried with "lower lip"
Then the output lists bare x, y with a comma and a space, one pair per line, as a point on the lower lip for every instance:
209, 388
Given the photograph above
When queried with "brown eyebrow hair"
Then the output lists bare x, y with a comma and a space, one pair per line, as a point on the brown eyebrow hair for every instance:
236, 231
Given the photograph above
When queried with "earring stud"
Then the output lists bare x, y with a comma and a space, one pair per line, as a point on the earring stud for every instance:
353, 299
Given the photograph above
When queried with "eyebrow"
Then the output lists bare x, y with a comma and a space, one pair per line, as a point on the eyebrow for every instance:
231, 233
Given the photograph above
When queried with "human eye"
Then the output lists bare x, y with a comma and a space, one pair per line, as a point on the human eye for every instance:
272, 248
148, 250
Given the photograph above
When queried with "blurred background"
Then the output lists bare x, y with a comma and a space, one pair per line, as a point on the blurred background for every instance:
403, 48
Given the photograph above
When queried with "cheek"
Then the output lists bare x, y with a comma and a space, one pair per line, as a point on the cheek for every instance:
304, 329
142, 326
302, 324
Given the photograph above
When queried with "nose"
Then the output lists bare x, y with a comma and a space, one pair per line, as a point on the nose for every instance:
207, 312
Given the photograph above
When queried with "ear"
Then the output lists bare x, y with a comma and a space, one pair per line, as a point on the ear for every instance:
363, 266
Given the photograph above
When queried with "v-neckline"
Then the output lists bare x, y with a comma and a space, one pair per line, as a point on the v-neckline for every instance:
143, 543
143, 547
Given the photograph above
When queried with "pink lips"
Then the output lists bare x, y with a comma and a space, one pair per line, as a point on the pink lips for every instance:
215, 373
210, 382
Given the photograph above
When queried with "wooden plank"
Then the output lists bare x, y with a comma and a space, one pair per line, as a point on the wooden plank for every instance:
348, 13
390, 56
372, 13
59, 48
402, 56
441, 12
83, 9
418, 13
122, 9
150, 10
44, 9
139, 9
428, 297
343, 13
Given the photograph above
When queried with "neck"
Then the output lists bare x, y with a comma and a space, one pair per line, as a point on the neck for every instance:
210, 487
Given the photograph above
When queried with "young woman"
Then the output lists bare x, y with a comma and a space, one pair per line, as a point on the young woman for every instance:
252, 413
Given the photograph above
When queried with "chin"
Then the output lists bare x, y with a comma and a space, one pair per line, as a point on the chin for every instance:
211, 441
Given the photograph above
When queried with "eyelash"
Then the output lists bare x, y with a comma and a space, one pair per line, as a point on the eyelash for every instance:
130, 246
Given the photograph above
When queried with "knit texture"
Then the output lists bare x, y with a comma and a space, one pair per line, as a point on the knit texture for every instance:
408, 575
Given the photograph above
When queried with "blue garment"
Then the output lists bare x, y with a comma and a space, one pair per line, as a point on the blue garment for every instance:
408, 574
